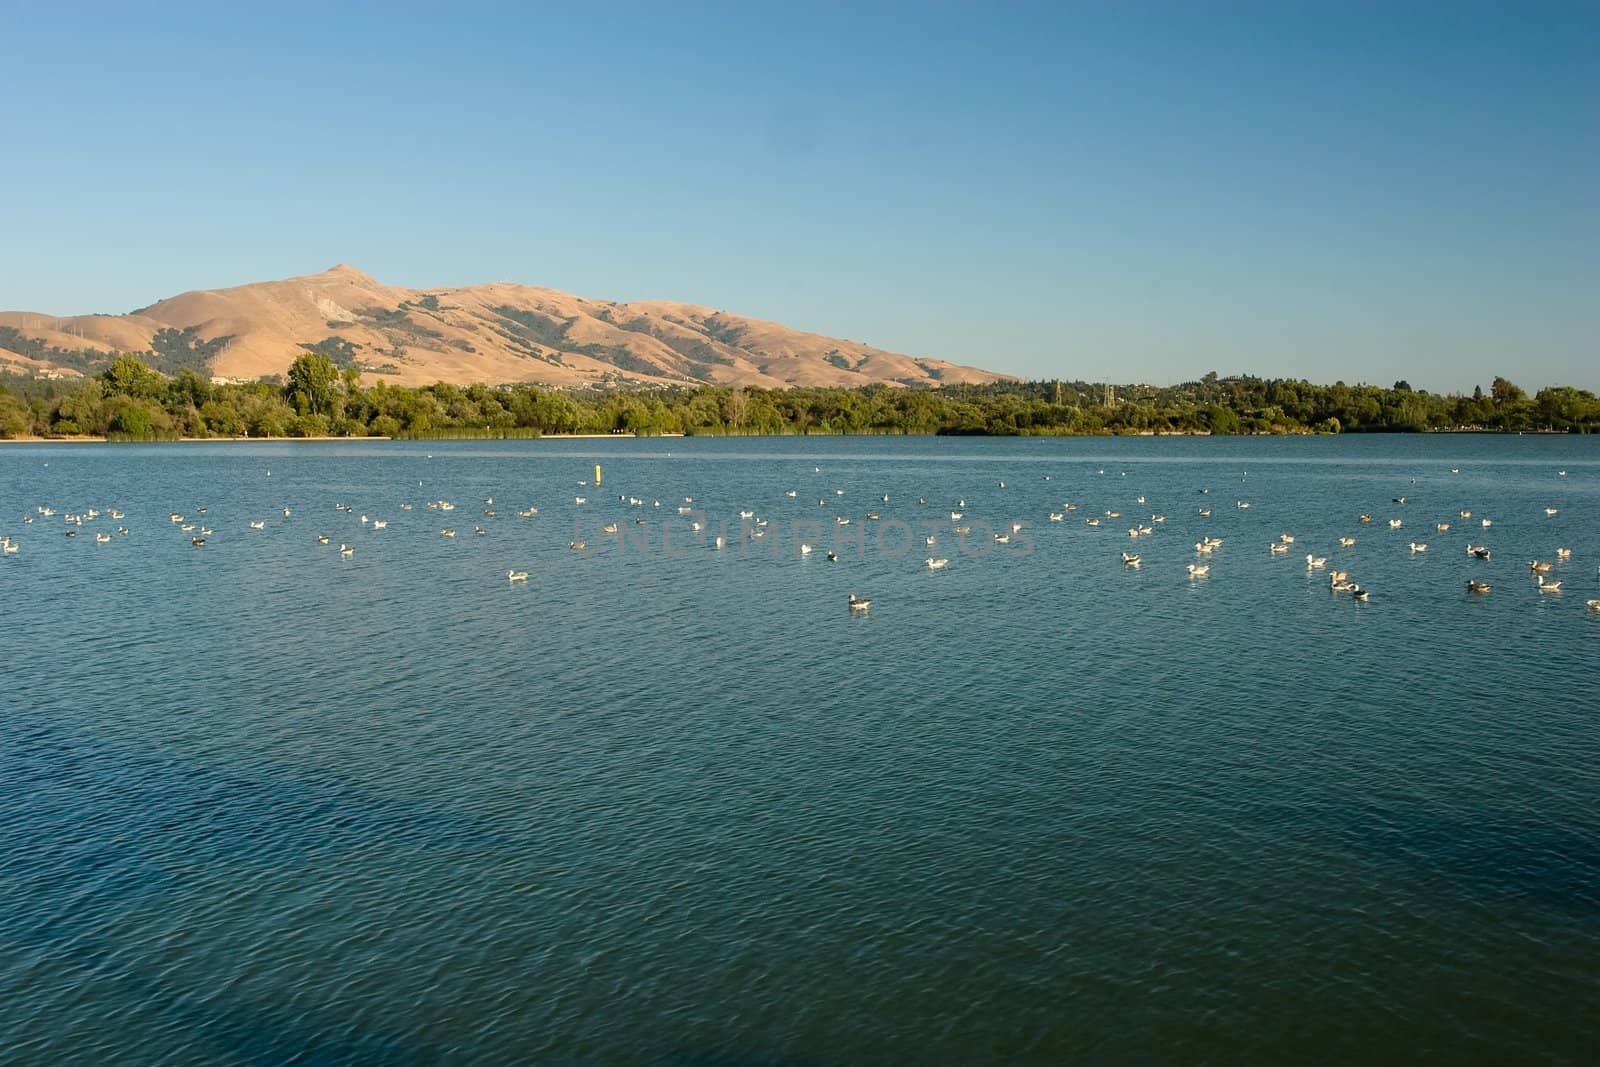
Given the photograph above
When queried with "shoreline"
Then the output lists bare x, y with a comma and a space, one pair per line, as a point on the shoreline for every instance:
93, 439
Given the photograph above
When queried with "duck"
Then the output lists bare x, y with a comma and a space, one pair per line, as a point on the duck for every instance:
1358, 593
1488, 522
577, 546
858, 603
1547, 586
1199, 572
1416, 547
1476, 586
1538, 567
1464, 514
805, 550
1205, 513
1056, 516
381, 524
1287, 539
102, 539
516, 576
833, 557
1277, 548
322, 539
1441, 527
447, 533
1395, 524
1363, 518
609, 528
1593, 605
936, 564
1551, 511
1315, 562
198, 542
1347, 542
259, 525
1130, 557
1563, 553
345, 551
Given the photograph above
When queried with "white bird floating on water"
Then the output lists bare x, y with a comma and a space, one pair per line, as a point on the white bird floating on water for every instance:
1315, 562
1277, 548
936, 564
1416, 547
1547, 586
516, 576
858, 604
1347, 542
1200, 571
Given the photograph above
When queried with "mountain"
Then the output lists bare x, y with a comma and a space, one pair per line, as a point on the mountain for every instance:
496, 333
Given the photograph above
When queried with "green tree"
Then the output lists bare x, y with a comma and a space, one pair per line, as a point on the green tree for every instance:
313, 385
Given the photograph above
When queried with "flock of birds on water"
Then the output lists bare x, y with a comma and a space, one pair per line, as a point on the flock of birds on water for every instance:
196, 527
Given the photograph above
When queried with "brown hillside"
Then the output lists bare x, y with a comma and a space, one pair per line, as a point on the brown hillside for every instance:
500, 332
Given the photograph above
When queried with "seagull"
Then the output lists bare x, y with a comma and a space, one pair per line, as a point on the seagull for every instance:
858, 604
516, 576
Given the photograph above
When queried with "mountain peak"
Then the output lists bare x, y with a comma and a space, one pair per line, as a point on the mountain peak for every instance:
490, 333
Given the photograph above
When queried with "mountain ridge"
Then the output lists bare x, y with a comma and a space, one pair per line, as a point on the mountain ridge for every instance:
495, 332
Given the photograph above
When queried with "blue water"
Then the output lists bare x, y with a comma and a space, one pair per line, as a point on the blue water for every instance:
667, 804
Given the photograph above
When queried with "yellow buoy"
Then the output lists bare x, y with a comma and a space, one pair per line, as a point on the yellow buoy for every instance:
597, 474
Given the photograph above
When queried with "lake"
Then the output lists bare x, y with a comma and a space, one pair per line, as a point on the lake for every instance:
665, 803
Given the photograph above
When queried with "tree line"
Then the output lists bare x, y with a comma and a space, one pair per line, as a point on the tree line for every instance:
130, 400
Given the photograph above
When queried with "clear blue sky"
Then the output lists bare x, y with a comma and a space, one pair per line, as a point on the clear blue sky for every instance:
1134, 191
